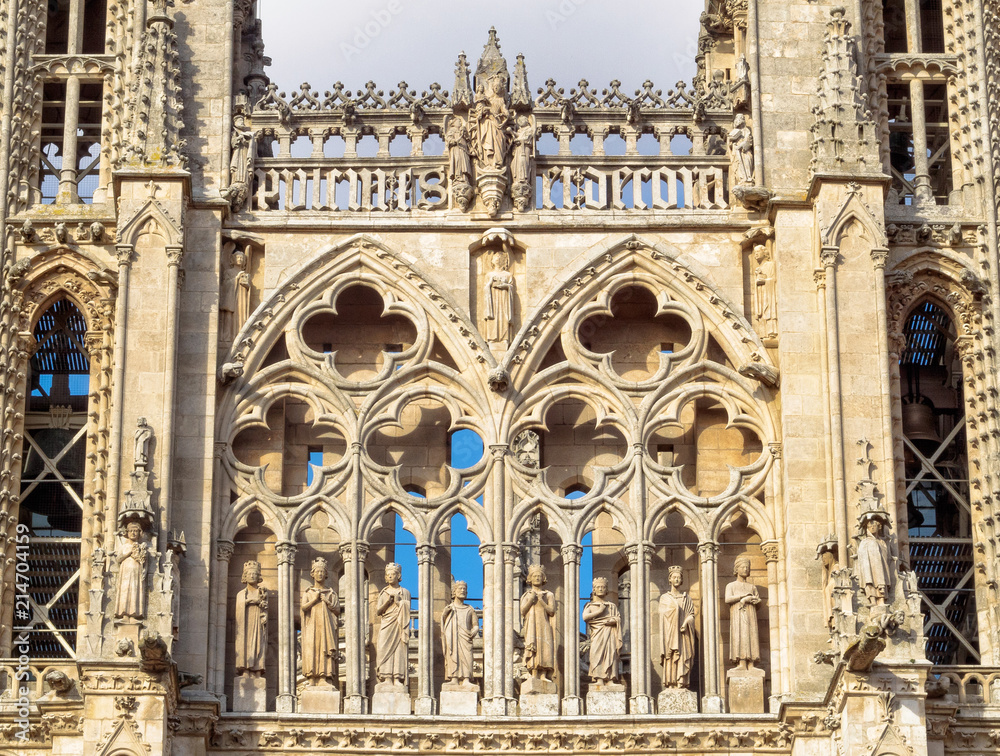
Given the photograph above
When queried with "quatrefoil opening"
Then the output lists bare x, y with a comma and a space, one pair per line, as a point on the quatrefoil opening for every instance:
359, 338
638, 337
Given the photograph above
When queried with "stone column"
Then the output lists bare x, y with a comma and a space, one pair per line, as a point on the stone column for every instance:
770, 550
487, 553
175, 255
355, 702
510, 554
638, 559
217, 651
572, 704
708, 553
922, 191
782, 651
124, 253
286, 625
425, 633
829, 257
67, 193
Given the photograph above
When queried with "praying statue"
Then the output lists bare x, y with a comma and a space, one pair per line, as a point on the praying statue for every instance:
499, 295
538, 610
604, 623
251, 622
130, 603
872, 564
459, 626
319, 608
676, 632
742, 597
393, 606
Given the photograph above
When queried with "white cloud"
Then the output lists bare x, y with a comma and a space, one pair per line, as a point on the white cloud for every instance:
386, 41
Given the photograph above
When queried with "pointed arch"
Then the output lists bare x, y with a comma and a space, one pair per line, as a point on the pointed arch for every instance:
151, 210
339, 519
557, 519
68, 272
474, 514
694, 519
854, 210
755, 513
413, 520
235, 519
624, 521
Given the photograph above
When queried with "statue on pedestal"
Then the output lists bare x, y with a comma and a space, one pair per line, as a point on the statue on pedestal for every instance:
742, 597
604, 623
319, 608
499, 297
130, 603
872, 566
459, 626
538, 609
393, 606
676, 632
251, 622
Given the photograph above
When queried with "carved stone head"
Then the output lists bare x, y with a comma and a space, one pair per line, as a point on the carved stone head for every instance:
393, 572
536, 575
251, 572
600, 587
319, 570
459, 589
741, 568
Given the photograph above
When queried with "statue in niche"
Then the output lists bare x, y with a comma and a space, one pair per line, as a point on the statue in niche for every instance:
319, 608
765, 300
521, 163
872, 564
240, 163
393, 606
538, 610
143, 435
499, 296
826, 552
740, 142
604, 622
251, 622
742, 597
130, 603
459, 626
234, 300
456, 138
490, 123
676, 632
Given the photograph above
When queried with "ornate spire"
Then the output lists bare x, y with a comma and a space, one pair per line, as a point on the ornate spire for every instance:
843, 137
153, 112
461, 94
520, 93
491, 62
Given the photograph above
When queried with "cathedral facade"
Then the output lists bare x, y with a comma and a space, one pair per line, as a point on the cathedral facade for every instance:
500, 415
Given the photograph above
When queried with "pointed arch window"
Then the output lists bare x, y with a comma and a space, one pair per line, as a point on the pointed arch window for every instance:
939, 511
52, 478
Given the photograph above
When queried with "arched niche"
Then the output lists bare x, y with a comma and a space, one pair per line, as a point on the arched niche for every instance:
254, 542
602, 556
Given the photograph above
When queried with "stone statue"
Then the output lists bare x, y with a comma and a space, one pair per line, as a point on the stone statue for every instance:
234, 298
130, 603
826, 552
872, 563
538, 610
319, 608
742, 597
459, 626
459, 163
499, 295
740, 142
490, 123
521, 164
765, 300
393, 606
251, 622
240, 163
143, 435
676, 632
604, 624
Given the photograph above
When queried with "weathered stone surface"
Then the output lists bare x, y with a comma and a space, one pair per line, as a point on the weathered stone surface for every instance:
605, 702
458, 700
538, 705
746, 691
677, 701
391, 699
249, 693
319, 699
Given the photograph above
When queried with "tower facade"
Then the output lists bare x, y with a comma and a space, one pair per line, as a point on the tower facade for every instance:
502, 416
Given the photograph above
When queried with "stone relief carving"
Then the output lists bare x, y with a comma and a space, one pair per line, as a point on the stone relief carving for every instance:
251, 622
605, 629
143, 436
320, 607
393, 607
676, 611
527, 449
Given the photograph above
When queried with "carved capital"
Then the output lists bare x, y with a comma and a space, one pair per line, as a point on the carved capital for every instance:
124, 254
219, 448
499, 451
632, 552
571, 553
819, 278
708, 551
828, 256
224, 550
897, 343
510, 553
93, 342
175, 255
879, 256
425, 553
286, 552
966, 347
770, 551
488, 553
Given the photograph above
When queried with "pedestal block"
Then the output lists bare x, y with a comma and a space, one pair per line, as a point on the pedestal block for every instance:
538, 705
605, 699
746, 691
391, 698
460, 699
319, 699
249, 693
677, 701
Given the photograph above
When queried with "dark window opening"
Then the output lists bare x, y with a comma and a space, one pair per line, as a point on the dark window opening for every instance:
57, 27
894, 25
931, 27
95, 14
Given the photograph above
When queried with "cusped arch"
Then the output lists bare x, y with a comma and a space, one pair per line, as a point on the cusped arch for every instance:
556, 517
339, 520
69, 272
621, 516
854, 210
950, 282
752, 509
413, 521
471, 510
696, 520
133, 225
235, 519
